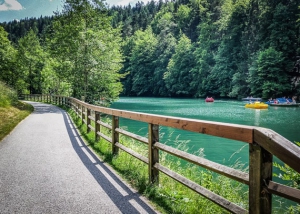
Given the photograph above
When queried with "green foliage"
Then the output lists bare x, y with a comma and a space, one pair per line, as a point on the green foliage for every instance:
165, 48
267, 77
8, 96
30, 59
8, 70
178, 76
141, 62
87, 50
12, 111
183, 16
292, 177
230, 41
288, 174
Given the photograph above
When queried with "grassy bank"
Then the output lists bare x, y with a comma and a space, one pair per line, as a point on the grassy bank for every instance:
12, 111
170, 196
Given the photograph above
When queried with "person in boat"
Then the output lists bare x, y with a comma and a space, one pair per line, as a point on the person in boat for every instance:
275, 101
294, 100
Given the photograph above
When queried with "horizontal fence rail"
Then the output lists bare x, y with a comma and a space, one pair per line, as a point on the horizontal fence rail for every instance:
263, 145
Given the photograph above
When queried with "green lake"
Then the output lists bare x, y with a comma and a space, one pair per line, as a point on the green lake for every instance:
283, 120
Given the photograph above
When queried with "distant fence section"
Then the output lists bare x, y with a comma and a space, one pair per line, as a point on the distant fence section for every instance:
263, 144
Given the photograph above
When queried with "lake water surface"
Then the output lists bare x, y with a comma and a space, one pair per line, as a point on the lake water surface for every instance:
283, 120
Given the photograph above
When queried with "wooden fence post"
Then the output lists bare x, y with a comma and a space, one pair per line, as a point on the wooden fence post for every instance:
82, 114
88, 120
77, 109
97, 125
153, 137
115, 135
260, 173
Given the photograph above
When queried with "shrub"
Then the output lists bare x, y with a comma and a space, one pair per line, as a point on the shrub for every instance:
8, 96
292, 177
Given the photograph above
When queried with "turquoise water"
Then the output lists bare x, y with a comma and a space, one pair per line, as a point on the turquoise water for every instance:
283, 120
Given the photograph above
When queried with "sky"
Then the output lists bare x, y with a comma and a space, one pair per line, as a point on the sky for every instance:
19, 9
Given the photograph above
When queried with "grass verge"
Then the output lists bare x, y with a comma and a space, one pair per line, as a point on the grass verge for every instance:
10, 116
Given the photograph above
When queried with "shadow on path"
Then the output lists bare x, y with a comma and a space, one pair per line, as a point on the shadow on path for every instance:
123, 197
42, 108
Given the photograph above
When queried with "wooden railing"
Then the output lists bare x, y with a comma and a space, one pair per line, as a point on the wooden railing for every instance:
263, 144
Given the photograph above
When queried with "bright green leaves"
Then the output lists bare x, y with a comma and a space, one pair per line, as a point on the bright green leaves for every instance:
189, 48
141, 66
178, 77
7, 60
91, 48
267, 76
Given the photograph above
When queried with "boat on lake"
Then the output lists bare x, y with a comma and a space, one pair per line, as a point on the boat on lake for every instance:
257, 105
252, 99
209, 99
281, 100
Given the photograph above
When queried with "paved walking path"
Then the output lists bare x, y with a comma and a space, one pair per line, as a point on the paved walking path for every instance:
45, 167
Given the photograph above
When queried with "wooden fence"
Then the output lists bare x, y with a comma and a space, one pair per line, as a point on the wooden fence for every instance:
263, 144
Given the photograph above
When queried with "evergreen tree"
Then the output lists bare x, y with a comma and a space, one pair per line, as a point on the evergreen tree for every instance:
229, 39
207, 47
230, 70
30, 59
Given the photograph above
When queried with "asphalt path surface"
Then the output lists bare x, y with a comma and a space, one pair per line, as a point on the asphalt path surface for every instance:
45, 167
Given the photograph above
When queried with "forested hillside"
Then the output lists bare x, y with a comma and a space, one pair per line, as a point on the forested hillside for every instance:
218, 48
182, 48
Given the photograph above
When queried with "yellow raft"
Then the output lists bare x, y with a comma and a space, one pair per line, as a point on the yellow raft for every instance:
257, 105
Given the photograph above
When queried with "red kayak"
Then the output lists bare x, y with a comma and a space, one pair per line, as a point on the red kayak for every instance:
209, 99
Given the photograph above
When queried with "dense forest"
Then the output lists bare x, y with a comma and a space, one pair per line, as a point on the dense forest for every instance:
178, 48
